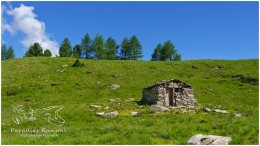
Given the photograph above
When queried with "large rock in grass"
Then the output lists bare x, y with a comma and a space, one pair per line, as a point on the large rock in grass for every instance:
200, 139
100, 113
134, 113
111, 114
221, 111
157, 108
95, 106
113, 86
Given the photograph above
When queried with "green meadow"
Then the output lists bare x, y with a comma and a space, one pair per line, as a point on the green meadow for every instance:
42, 82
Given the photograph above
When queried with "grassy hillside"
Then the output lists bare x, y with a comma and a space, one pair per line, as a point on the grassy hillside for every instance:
39, 83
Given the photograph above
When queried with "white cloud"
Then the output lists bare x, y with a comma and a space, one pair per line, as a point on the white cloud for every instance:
25, 21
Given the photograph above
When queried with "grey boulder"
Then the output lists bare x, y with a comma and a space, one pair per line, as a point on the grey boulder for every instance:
111, 114
157, 108
113, 86
100, 113
96, 106
206, 109
221, 111
200, 139
237, 115
134, 113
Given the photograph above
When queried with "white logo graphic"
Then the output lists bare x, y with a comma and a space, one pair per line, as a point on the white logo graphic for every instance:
23, 114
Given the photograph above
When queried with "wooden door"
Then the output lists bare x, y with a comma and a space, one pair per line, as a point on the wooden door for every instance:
171, 96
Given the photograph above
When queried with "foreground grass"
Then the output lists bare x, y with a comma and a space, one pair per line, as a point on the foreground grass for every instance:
233, 86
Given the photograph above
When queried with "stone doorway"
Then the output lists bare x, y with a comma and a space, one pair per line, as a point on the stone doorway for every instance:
172, 97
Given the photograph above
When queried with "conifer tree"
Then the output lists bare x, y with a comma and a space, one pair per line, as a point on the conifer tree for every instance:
65, 48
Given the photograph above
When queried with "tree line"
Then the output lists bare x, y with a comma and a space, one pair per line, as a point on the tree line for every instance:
101, 49
105, 49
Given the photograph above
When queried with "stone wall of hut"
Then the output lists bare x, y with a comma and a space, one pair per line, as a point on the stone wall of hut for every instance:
157, 95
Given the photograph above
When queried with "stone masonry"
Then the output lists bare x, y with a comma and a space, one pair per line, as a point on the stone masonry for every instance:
169, 93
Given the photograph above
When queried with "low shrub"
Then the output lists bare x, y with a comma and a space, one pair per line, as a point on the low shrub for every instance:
77, 63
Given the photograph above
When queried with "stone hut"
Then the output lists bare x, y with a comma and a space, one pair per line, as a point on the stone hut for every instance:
169, 93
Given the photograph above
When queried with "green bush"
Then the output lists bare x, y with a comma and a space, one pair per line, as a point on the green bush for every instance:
77, 63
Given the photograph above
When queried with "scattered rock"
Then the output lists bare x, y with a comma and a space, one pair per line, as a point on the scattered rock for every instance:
221, 111
64, 65
98, 82
237, 115
96, 106
200, 139
134, 113
111, 114
113, 86
157, 108
131, 99
207, 109
119, 104
100, 113
31, 118
107, 107
111, 100
218, 67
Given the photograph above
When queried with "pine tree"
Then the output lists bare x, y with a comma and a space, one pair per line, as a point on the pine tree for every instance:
168, 51
136, 48
99, 47
125, 51
111, 49
156, 56
3, 52
77, 51
86, 46
10, 53
34, 50
47, 53
65, 48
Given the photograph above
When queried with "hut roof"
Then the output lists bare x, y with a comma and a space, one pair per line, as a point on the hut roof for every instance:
168, 81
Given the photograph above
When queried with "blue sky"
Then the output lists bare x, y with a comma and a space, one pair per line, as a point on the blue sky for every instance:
199, 30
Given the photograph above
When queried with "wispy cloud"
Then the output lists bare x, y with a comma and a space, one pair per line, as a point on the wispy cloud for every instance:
25, 20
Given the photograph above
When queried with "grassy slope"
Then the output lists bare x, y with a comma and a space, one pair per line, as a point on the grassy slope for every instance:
30, 78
